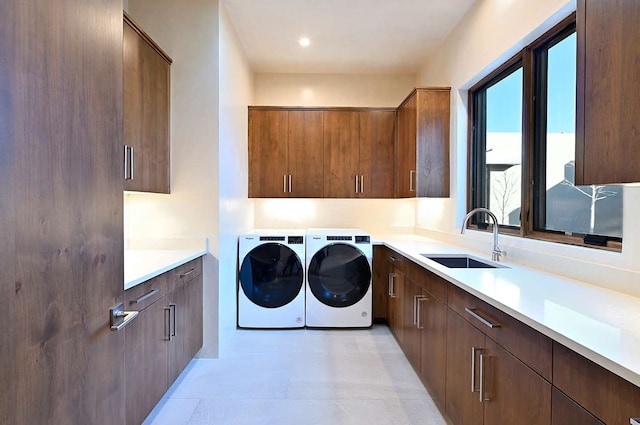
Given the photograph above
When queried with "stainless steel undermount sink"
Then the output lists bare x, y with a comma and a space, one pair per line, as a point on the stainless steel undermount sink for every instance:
461, 261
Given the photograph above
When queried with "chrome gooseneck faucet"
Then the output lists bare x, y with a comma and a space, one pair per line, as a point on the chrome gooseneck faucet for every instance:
496, 251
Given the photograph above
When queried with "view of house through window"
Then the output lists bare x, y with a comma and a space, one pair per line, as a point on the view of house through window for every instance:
548, 143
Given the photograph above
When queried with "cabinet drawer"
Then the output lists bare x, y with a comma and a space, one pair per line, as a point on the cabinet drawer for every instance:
611, 398
143, 295
184, 273
527, 344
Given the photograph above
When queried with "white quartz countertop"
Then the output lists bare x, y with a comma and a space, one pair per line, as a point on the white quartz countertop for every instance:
141, 265
598, 323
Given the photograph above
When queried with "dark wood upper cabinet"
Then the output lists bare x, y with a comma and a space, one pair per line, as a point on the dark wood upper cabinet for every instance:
608, 95
376, 166
422, 155
285, 153
268, 154
146, 111
341, 153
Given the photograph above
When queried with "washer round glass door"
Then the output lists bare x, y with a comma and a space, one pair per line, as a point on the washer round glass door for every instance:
339, 275
271, 275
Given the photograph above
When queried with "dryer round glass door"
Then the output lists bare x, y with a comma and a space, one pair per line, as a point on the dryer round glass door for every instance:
271, 275
339, 275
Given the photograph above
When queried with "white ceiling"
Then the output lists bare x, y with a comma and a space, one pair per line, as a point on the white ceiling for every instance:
347, 36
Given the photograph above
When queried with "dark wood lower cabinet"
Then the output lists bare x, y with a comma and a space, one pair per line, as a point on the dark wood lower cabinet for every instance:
513, 393
146, 361
463, 405
380, 283
434, 346
395, 302
411, 332
161, 341
565, 411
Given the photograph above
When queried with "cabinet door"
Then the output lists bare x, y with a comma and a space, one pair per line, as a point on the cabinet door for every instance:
432, 143
406, 149
146, 112
377, 135
341, 153
411, 342
380, 283
268, 172
306, 154
433, 322
146, 361
185, 305
608, 105
512, 391
395, 302
565, 411
462, 396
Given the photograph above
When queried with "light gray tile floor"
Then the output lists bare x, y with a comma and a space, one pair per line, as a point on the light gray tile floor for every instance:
301, 377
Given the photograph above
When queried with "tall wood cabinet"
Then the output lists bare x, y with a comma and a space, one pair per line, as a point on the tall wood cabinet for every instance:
422, 155
285, 153
146, 111
61, 207
608, 96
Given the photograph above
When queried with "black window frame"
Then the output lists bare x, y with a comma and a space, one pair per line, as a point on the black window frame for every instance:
532, 59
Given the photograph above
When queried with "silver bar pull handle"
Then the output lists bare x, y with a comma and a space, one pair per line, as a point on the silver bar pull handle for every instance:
284, 183
120, 318
482, 396
472, 312
131, 162
357, 183
145, 296
415, 310
289, 183
172, 307
187, 273
422, 299
126, 162
634, 421
474, 350
361, 184
167, 323
411, 174
392, 277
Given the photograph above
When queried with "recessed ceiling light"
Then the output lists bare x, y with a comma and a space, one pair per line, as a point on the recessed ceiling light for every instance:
304, 41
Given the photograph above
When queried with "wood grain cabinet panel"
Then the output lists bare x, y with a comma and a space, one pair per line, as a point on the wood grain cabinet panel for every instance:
422, 154
147, 74
608, 96
376, 143
305, 154
395, 302
565, 411
607, 396
268, 153
433, 351
380, 283
341, 153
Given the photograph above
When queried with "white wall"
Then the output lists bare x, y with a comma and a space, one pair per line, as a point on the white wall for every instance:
236, 210
373, 215
491, 32
188, 32
332, 89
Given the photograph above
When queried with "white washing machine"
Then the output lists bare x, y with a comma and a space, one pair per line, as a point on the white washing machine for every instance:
271, 279
339, 288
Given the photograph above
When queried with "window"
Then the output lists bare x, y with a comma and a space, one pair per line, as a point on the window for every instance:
522, 149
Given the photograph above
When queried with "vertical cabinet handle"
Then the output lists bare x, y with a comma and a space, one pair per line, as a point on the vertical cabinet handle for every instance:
167, 323
361, 184
474, 350
128, 162
483, 397
392, 277
172, 307
289, 183
284, 183
357, 183
411, 174
419, 323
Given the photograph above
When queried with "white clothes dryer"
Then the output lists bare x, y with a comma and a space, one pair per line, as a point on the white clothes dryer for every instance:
271, 279
339, 287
